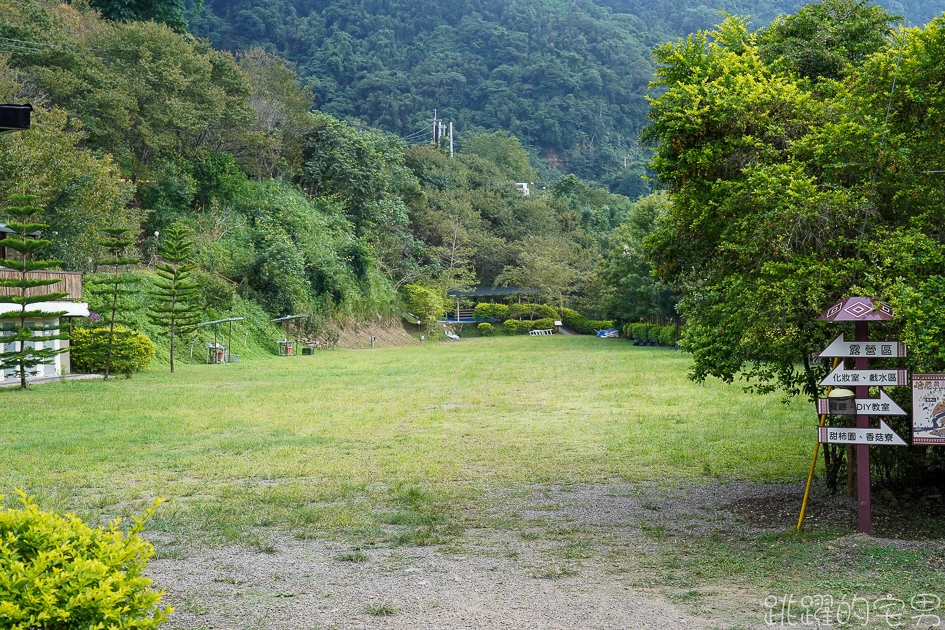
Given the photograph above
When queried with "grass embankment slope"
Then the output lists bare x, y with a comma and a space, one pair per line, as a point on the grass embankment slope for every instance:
323, 442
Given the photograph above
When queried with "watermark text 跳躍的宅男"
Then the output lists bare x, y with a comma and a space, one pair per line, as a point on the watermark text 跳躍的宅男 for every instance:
923, 610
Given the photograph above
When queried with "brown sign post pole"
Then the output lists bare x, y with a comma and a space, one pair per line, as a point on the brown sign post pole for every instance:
863, 514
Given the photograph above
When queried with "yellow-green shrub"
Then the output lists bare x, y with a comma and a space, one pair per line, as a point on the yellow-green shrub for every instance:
545, 323
57, 572
515, 327
131, 353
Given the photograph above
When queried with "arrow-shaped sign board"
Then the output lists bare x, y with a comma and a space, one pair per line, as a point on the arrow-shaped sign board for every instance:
842, 435
842, 376
882, 406
870, 349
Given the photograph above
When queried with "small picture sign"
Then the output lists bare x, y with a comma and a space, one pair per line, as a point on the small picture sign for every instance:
928, 409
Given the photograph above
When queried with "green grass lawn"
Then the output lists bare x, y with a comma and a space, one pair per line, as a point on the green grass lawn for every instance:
415, 445
340, 441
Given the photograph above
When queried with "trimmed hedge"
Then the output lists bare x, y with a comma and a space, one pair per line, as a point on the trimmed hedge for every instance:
663, 335
515, 327
537, 311
582, 325
543, 324
132, 352
486, 329
490, 311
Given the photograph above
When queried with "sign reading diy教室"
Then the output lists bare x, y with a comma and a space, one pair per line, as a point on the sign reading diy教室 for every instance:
928, 409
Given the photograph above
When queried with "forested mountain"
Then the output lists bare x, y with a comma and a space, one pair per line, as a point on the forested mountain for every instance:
141, 127
567, 78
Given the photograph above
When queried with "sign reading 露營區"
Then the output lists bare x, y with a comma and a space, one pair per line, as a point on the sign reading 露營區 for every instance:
928, 408
841, 348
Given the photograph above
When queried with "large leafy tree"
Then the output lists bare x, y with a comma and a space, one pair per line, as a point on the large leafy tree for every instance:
787, 196
80, 192
25, 328
630, 293
144, 93
824, 40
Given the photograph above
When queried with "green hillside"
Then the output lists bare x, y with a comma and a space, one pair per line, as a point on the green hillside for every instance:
567, 78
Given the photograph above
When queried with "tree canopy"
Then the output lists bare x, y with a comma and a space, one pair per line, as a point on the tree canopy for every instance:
790, 191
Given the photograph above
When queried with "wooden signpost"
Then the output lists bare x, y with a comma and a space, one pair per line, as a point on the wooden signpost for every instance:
861, 311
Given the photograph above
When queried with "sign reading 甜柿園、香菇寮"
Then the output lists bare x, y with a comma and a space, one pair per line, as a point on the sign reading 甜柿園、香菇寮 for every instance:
928, 409
841, 435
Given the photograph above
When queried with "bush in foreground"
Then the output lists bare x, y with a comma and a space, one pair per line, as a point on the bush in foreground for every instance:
57, 572
486, 329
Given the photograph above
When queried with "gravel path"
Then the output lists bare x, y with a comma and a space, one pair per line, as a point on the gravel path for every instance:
521, 577
303, 586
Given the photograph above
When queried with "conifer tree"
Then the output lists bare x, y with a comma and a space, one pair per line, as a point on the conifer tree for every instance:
20, 326
174, 303
115, 290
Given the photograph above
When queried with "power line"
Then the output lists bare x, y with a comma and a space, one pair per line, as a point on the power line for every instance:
24, 43
6, 47
415, 134
29, 43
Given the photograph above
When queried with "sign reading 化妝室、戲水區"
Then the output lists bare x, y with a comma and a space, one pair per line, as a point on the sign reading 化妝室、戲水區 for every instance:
928, 409
842, 376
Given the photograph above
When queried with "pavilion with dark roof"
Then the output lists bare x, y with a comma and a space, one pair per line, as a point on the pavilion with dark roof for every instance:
465, 315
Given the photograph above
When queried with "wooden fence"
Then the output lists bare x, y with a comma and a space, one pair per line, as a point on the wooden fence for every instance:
71, 283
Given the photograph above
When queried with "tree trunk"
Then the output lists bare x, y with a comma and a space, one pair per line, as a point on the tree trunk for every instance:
23, 344
111, 333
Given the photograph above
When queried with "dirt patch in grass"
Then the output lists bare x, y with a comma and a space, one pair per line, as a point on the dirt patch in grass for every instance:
387, 333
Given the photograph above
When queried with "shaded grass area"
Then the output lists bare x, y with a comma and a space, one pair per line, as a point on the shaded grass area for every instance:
791, 576
396, 445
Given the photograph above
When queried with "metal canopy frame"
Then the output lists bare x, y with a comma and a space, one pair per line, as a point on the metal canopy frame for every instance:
226, 348
285, 321
493, 292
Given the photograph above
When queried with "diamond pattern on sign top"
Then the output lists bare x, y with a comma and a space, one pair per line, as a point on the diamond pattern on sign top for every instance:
858, 309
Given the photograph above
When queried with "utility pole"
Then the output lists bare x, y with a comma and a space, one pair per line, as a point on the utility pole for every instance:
451, 139
436, 128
